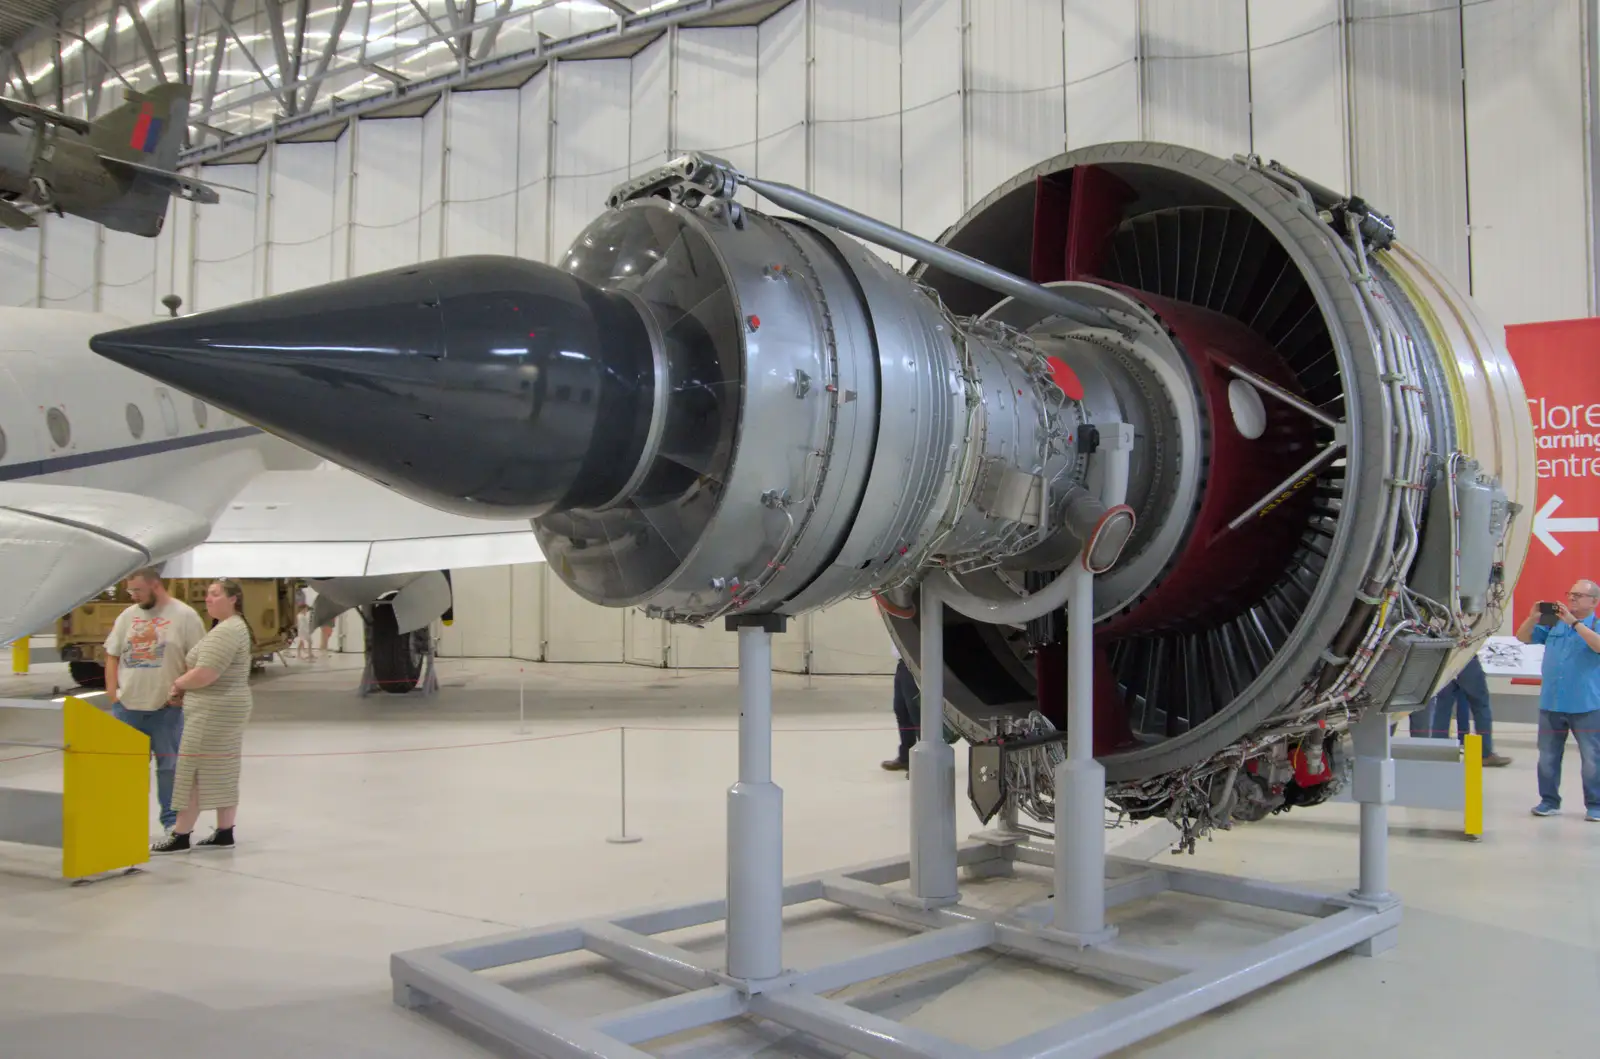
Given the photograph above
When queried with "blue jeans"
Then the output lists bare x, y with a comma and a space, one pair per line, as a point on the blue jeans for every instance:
1468, 692
1553, 729
165, 729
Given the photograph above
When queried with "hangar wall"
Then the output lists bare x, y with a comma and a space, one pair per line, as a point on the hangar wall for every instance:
1466, 120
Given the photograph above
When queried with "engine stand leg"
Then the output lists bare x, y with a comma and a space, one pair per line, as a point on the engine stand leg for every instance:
1080, 782
933, 773
755, 814
1373, 790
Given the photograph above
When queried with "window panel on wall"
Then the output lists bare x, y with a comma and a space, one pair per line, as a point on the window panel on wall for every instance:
533, 169
781, 98
300, 241
71, 249
1196, 74
1409, 130
481, 215
1016, 109
19, 267
436, 137
1524, 101
1297, 87
650, 118
592, 102
717, 95
226, 251
857, 108
388, 205
128, 276
1102, 72
931, 125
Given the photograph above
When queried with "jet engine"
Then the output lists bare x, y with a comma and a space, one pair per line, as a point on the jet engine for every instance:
1292, 454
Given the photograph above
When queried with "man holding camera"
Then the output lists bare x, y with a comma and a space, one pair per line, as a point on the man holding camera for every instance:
1569, 698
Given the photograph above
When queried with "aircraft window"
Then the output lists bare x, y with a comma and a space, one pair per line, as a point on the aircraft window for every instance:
135, 421
169, 412
200, 413
60, 427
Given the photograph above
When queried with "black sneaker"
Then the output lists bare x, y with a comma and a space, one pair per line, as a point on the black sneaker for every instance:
218, 840
173, 843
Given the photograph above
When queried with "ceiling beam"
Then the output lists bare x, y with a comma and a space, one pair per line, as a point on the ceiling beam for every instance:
329, 50
280, 48
146, 41
439, 31
491, 36
219, 45
228, 28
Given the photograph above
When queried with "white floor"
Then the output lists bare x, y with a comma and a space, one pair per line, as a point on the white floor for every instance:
376, 825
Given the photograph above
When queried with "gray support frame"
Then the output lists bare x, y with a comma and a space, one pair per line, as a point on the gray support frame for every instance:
146, 40
1174, 985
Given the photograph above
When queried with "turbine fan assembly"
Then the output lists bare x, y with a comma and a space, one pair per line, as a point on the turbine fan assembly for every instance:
1292, 453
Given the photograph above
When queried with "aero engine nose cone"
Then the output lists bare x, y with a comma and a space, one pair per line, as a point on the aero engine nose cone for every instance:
488, 386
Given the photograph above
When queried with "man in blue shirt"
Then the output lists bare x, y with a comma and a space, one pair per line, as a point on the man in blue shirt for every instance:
1569, 698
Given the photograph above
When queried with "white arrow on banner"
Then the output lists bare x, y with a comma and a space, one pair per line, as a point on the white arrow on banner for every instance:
1546, 525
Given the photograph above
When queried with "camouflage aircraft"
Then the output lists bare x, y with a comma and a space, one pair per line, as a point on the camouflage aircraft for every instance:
117, 170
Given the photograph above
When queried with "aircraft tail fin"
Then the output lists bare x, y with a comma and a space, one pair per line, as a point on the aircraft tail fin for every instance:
148, 127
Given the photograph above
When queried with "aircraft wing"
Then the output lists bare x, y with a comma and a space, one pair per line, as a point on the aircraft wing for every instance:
15, 108
15, 218
178, 185
330, 522
64, 544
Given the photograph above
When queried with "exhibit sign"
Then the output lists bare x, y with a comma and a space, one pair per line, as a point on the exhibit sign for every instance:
1559, 362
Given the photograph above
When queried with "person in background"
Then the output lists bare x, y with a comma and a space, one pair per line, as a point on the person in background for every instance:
144, 654
1569, 694
303, 647
216, 691
1469, 691
907, 715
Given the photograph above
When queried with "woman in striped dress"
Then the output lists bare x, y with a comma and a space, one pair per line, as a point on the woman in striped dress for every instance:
216, 707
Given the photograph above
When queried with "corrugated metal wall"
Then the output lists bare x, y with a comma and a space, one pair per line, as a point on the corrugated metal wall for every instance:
1466, 120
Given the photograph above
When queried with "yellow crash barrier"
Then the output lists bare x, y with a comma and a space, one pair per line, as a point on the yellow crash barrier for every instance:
100, 817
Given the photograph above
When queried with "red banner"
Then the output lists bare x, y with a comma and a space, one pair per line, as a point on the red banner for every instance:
1560, 367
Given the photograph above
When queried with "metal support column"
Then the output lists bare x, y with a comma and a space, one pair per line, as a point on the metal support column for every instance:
1080, 850
933, 771
1373, 788
755, 814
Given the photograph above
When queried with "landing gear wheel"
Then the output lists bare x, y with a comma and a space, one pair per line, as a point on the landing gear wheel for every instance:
41, 192
87, 674
396, 657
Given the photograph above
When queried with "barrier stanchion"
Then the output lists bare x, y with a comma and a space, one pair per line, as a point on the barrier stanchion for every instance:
622, 838
21, 655
1472, 786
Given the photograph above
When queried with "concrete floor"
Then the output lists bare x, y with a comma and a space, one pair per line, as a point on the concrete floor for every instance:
370, 826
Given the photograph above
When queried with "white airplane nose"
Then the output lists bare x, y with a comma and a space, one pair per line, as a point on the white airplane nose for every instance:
66, 544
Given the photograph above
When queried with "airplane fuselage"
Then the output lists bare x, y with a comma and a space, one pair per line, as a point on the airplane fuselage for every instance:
69, 167
69, 417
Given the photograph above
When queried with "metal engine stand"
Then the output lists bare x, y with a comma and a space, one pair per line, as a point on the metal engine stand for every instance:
1069, 930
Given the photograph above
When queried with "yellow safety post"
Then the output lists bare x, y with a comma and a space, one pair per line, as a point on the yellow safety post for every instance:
1472, 786
105, 799
21, 654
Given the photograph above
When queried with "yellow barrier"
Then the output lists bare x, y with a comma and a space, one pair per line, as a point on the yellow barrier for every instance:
21, 654
1472, 786
100, 820
105, 801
